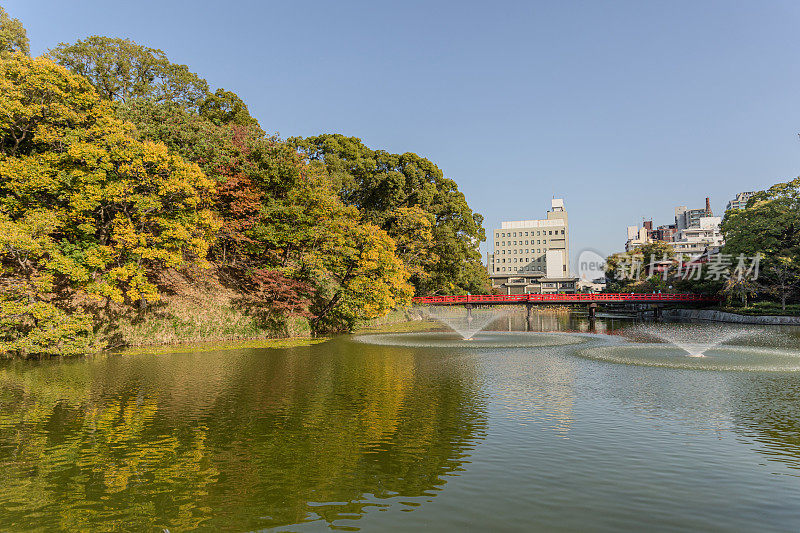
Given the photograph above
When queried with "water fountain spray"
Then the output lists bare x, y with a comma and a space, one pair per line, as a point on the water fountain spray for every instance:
467, 322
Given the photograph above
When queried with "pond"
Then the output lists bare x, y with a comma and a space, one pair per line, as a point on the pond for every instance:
548, 425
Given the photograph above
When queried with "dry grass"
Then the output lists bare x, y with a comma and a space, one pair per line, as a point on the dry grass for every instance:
197, 308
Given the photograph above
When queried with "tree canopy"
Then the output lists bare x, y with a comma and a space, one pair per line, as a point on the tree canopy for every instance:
385, 186
108, 208
13, 37
117, 164
120, 69
769, 227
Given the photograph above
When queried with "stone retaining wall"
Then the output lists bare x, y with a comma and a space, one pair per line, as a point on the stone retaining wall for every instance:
721, 316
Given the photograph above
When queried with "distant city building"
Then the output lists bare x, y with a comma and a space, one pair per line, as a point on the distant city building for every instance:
694, 231
665, 232
690, 218
647, 234
596, 285
637, 237
532, 256
696, 240
740, 202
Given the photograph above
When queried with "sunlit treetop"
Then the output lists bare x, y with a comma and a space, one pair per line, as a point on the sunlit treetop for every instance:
13, 37
121, 70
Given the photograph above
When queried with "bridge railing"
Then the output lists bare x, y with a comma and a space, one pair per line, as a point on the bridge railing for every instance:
562, 298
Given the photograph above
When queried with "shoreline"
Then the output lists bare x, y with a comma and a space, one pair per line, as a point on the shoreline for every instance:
277, 343
711, 315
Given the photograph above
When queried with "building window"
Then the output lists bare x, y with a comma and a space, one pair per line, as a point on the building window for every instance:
562, 232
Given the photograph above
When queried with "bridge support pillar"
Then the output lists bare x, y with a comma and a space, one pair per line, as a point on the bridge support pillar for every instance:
528, 313
657, 312
468, 307
592, 308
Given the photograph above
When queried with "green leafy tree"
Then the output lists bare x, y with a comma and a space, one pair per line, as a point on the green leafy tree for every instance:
379, 183
13, 37
769, 226
637, 270
739, 287
225, 107
781, 279
121, 70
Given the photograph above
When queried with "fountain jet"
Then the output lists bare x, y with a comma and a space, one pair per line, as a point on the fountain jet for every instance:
694, 339
467, 322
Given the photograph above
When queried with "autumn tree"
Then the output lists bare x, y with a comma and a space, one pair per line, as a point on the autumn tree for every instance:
118, 208
310, 235
283, 224
34, 316
413, 231
289, 218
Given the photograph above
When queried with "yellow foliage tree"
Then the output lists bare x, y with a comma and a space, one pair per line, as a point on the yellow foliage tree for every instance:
116, 208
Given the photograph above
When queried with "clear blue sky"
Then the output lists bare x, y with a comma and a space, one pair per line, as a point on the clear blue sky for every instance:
624, 109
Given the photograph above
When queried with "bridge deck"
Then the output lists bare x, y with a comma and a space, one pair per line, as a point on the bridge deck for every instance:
608, 298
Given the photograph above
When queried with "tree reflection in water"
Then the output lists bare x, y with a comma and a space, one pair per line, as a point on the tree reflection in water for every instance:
231, 439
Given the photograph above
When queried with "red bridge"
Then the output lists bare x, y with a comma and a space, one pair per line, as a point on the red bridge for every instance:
591, 300
610, 297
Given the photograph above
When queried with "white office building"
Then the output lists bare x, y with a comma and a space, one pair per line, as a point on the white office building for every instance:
532, 256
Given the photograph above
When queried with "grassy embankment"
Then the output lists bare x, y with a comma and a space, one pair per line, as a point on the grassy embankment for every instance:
203, 314
400, 321
197, 309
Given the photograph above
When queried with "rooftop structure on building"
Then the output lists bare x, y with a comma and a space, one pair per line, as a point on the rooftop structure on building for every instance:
532, 256
740, 202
